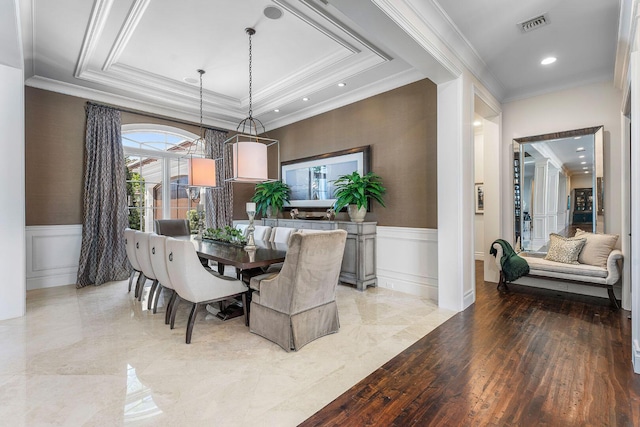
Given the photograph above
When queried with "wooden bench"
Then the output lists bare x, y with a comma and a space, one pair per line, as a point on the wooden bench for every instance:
583, 274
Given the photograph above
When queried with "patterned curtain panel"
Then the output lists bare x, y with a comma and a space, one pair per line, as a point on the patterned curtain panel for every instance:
218, 201
103, 256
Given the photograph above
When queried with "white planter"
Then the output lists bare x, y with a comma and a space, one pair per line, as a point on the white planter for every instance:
356, 215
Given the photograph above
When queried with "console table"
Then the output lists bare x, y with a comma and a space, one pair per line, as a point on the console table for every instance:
359, 260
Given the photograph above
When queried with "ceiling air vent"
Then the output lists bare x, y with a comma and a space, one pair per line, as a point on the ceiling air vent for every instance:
534, 23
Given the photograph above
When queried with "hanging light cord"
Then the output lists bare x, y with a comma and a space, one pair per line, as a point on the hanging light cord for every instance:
250, 121
201, 73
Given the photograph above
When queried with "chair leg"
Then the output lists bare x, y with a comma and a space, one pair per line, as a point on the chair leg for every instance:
154, 286
142, 279
133, 273
174, 309
156, 296
192, 321
245, 309
167, 314
612, 297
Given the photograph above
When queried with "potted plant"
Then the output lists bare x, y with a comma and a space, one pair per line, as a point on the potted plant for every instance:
270, 197
355, 190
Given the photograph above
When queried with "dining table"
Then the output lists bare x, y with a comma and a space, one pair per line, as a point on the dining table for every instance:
245, 261
265, 254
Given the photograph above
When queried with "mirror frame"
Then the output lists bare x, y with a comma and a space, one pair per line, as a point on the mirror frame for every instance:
598, 175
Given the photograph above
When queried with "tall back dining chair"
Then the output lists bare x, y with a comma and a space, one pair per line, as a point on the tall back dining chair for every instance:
262, 232
130, 245
298, 304
281, 234
196, 284
172, 227
242, 227
157, 251
142, 252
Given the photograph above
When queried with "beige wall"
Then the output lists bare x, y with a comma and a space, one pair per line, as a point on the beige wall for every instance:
54, 157
399, 125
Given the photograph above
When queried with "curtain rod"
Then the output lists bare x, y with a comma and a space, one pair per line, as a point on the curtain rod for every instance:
155, 116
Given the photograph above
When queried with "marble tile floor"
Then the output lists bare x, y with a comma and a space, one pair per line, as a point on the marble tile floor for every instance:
97, 357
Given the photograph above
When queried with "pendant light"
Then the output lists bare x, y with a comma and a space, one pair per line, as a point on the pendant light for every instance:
202, 171
247, 152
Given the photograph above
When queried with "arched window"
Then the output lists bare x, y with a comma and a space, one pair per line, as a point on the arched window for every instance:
157, 181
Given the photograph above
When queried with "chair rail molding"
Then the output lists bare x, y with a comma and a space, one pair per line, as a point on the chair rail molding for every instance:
53, 252
408, 260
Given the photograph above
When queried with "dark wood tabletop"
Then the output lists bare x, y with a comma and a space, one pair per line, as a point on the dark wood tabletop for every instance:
266, 253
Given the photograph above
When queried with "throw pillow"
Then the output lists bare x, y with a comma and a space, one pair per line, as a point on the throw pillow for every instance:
564, 250
597, 247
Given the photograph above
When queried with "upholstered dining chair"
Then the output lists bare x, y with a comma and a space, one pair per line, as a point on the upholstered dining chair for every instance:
281, 234
172, 227
298, 304
262, 232
142, 252
130, 245
157, 251
196, 284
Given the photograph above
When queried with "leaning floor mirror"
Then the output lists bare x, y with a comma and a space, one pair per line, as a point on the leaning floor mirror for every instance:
558, 186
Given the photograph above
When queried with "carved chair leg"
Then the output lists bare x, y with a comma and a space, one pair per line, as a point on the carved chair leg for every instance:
174, 309
154, 287
167, 314
156, 296
142, 279
133, 273
192, 321
612, 297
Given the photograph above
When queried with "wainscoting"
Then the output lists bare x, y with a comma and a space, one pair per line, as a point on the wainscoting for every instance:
52, 255
407, 260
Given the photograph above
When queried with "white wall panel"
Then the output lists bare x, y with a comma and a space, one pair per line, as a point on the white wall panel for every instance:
52, 255
408, 260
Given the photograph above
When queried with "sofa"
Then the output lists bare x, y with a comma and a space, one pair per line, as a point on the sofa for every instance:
596, 263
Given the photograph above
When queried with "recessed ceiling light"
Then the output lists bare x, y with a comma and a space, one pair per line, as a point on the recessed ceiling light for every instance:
305, 99
190, 80
342, 84
586, 171
272, 12
477, 123
581, 157
276, 111
580, 149
583, 163
585, 167
577, 137
548, 60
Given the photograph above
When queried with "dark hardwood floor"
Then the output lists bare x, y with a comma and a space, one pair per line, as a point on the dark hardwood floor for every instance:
527, 357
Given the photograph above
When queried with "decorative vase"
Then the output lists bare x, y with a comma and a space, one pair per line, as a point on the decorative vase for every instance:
355, 214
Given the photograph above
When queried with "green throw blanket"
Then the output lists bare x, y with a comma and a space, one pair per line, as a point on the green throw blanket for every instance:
513, 266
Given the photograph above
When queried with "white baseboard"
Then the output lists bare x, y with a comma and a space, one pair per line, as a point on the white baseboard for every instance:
53, 253
407, 260
479, 256
636, 356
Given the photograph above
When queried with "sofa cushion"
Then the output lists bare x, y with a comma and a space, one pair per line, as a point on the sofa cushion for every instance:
564, 250
540, 266
597, 247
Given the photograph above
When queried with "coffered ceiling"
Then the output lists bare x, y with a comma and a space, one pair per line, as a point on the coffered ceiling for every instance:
144, 54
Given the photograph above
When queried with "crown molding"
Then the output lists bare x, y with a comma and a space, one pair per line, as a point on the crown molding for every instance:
400, 79
99, 15
126, 32
127, 102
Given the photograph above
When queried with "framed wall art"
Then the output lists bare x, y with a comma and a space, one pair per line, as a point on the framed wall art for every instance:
311, 178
